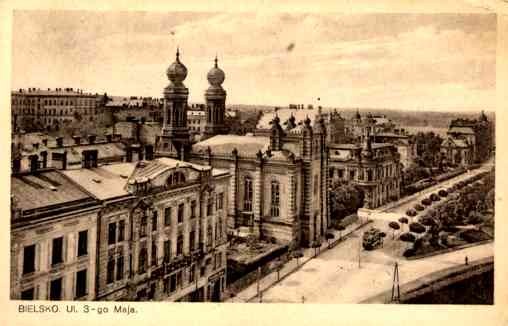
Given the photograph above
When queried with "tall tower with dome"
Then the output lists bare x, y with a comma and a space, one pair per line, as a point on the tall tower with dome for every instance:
174, 139
215, 97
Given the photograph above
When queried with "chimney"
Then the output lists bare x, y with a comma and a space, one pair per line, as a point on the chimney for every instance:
35, 146
77, 140
91, 139
45, 142
59, 141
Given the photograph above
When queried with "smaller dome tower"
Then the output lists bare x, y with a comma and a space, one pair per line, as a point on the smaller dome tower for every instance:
215, 97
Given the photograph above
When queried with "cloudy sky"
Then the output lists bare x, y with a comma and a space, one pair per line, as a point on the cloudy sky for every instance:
411, 61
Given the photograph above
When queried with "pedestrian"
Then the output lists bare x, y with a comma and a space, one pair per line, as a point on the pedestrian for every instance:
466, 260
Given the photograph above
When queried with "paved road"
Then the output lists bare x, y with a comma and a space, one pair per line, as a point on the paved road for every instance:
347, 274
334, 276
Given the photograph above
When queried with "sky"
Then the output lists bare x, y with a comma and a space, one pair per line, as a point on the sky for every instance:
400, 61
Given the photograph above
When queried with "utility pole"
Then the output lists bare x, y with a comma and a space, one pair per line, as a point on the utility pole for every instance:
395, 283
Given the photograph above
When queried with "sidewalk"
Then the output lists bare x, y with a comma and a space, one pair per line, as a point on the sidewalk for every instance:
250, 294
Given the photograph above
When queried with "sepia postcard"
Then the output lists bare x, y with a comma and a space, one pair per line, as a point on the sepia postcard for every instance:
227, 164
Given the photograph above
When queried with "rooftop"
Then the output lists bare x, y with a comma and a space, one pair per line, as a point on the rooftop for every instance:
284, 114
52, 92
461, 130
104, 182
45, 188
224, 144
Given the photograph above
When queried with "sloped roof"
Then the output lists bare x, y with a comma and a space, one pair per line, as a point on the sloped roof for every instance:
105, 150
45, 189
461, 130
104, 182
224, 144
455, 142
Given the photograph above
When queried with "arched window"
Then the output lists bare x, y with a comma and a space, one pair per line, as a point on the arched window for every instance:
275, 199
247, 194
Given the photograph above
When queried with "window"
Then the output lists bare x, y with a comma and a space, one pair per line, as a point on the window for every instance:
341, 173
29, 259
352, 174
192, 240
247, 194
154, 221
142, 260
166, 284
220, 201
167, 250
179, 245
82, 243
28, 294
81, 283
275, 199
209, 206
57, 251
121, 230
167, 216
154, 253
111, 233
209, 236
55, 289
142, 226
119, 268
172, 283
179, 279
331, 172
369, 175
193, 209
219, 229
192, 273
110, 271
181, 209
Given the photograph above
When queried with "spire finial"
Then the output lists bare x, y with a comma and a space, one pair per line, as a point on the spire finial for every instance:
178, 53
216, 65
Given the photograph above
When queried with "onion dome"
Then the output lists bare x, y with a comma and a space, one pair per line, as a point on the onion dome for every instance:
177, 71
216, 76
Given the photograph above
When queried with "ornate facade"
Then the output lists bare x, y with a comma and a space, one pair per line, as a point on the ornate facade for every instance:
373, 167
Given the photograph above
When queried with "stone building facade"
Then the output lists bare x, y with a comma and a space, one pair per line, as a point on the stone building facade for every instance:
35, 109
374, 167
162, 230
53, 238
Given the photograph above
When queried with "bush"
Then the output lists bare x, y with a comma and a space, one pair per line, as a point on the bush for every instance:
403, 220
426, 202
473, 236
434, 197
419, 207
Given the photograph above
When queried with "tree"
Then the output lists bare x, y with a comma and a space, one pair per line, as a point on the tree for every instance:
395, 226
416, 228
407, 237
345, 199
297, 253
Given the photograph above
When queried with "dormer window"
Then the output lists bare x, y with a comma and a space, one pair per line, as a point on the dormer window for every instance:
176, 178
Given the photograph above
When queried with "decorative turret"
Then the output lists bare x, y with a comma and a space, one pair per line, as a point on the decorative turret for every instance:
174, 140
367, 146
277, 135
215, 97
